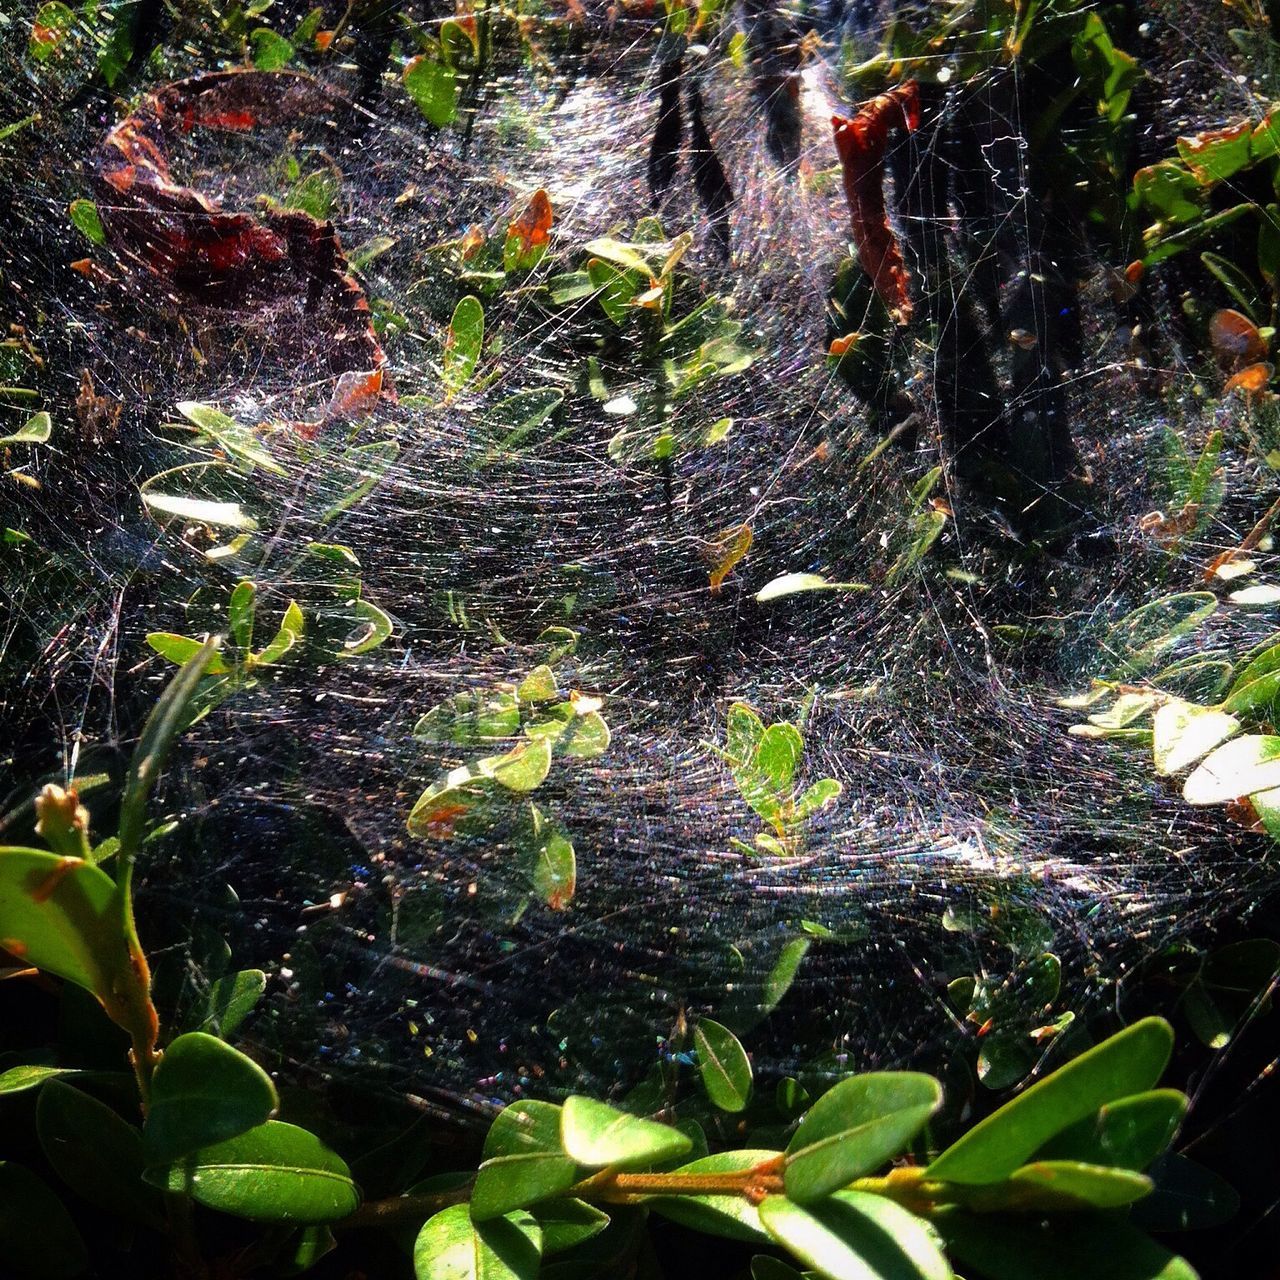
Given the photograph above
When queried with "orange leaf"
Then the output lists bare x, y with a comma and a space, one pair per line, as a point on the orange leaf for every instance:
533, 226
728, 547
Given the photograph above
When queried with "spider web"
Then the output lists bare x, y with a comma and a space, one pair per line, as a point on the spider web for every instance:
433, 965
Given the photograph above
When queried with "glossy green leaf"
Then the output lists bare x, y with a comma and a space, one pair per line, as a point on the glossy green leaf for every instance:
766, 1267
1071, 1184
1128, 1133
61, 915
204, 1092
230, 1000
274, 1173
305, 1250
462, 348
567, 1223
373, 628
523, 1161
595, 1134
20, 1079
856, 1127
855, 1236
732, 1216
1236, 769
723, 1065
1128, 1063
96, 1153
38, 1237
451, 1246
620, 254
1015, 1248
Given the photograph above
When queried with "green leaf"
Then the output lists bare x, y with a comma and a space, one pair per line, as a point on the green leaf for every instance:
1238, 768
817, 797
1255, 696
288, 634
1183, 732
743, 733
38, 1237
315, 194
723, 1065
273, 1173
620, 254
226, 515
433, 87
522, 414
167, 719
468, 719
732, 1216
1127, 1063
523, 1161
855, 1128
523, 769
1233, 983
61, 915
1127, 1134
1070, 1184
181, 649
595, 1134
236, 439
783, 974
374, 627
538, 686
855, 1236
1009, 1248
584, 737
367, 464
20, 1079
305, 1250
790, 584
96, 1153
567, 1223
36, 430
231, 999
555, 873
204, 1092
778, 755
271, 51
462, 348
452, 1247
240, 614
446, 800
84, 216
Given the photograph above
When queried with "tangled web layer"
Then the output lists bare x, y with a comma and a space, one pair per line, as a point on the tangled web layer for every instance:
438, 960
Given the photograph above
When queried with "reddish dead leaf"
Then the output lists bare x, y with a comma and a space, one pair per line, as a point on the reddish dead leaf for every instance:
472, 242
533, 226
323, 40
442, 821
728, 548
842, 346
1162, 528
860, 144
356, 394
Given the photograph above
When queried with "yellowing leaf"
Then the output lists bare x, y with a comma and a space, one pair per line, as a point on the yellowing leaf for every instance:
1185, 732
728, 548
